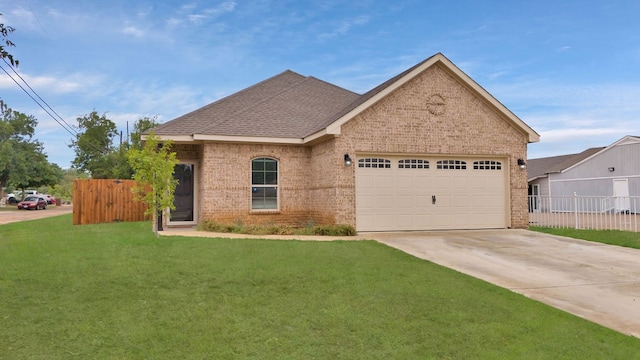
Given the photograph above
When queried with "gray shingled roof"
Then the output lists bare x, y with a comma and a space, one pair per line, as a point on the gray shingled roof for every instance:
288, 105
542, 166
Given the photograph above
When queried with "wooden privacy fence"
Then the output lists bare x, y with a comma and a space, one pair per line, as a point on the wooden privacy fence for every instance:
105, 200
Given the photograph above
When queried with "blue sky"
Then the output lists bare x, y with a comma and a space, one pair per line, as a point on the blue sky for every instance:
569, 69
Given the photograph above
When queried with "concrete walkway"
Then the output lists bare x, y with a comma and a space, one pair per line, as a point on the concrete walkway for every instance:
598, 282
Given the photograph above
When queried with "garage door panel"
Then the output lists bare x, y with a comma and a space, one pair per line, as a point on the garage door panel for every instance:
396, 198
367, 202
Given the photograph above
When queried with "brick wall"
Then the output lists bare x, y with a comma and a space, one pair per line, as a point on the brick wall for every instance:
403, 123
226, 183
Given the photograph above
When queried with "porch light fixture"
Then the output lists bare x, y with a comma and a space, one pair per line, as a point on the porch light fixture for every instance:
347, 160
522, 164
611, 169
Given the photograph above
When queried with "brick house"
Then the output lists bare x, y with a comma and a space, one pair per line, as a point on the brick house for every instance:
427, 149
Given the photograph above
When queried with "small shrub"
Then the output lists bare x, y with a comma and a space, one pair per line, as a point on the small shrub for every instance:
308, 224
328, 230
213, 226
273, 229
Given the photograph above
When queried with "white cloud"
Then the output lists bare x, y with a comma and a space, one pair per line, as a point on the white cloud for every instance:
578, 134
21, 18
344, 26
43, 83
131, 30
225, 7
190, 13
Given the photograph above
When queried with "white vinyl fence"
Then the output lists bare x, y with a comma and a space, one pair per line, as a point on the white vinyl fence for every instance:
585, 212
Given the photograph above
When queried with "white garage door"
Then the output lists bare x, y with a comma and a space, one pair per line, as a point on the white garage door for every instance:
430, 193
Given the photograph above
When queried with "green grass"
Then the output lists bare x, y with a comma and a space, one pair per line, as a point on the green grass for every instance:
114, 291
612, 237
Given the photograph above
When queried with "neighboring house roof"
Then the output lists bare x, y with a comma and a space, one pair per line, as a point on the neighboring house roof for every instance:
537, 168
296, 109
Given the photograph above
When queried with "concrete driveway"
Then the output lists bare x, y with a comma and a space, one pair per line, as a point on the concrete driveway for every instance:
598, 282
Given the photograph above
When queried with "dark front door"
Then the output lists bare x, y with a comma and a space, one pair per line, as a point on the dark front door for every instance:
184, 194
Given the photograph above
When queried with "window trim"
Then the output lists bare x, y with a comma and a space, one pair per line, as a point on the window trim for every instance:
276, 185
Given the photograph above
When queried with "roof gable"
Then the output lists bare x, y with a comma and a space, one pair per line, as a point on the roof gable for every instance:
384, 89
627, 140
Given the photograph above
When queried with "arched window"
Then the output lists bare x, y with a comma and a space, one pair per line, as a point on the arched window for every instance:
264, 184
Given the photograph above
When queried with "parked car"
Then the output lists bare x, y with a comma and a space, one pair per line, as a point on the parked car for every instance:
33, 202
50, 199
12, 199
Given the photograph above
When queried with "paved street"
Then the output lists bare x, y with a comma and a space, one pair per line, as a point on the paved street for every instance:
7, 216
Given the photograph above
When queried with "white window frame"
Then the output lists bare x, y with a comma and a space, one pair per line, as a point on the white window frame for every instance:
276, 186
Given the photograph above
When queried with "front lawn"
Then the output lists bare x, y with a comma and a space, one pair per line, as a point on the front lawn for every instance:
114, 291
612, 237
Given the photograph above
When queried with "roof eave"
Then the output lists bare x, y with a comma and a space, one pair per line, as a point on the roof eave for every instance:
537, 177
172, 138
248, 139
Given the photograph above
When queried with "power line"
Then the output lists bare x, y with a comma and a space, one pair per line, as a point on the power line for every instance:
68, 128
36, 16
36, 94
37, 102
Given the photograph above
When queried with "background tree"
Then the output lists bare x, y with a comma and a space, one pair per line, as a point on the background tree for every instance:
140, 126
120, 166
15, 128
93, 144
5, 43
153, 167
23, 162
96, 153
31, 169
64, 188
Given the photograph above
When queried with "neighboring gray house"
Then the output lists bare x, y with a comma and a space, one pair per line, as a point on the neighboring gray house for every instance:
610, 175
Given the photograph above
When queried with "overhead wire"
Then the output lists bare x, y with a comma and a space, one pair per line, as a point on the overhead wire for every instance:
41, 99
70, 131
68, 128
